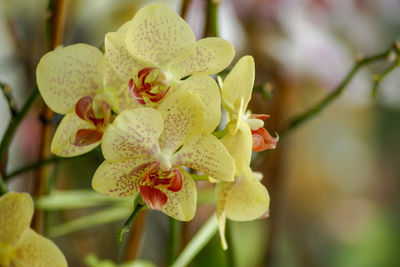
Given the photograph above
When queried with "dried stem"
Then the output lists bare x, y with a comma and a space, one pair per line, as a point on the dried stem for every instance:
185, 8
56, 23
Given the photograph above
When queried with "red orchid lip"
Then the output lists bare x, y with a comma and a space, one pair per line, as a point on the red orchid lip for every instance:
262, 140
142, 89
154, 180
84, 110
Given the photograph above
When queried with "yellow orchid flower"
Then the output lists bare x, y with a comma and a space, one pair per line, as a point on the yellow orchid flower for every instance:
236, 93
20, 245
246, 198
75, 81
157, 48
145, 151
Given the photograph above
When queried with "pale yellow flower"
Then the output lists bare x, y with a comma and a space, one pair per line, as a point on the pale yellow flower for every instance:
76, 81
157, 48
145, 151
21, 246
245, 198
236, 93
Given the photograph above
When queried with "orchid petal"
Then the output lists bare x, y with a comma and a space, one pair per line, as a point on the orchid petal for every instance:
212, 56
239, 83
206, 87
205, 153
157, 35
35, 250
67, 74
181, 205
16, 210
133, 135
116, 91
65, 136
248, 198
119, 179
123, 63
222, 190
239, 146
183, 114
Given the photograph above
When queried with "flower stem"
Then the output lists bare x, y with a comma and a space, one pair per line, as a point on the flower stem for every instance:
201, 238
300, 119
175, 238
12, 127
378, 78
127, 225
12, 104
3, 187
211, 28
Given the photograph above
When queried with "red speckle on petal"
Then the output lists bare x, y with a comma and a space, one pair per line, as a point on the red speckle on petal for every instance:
153, 197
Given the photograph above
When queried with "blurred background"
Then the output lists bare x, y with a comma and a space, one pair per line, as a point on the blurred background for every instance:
334, 181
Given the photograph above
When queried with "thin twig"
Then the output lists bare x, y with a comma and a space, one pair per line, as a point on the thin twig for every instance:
129, 222
379, 77
12, 127
300, 119
12, 104
175, 238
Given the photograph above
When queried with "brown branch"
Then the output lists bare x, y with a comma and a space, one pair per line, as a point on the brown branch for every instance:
58, 10
185, 8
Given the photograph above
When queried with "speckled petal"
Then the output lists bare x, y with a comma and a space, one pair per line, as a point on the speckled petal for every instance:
206, 87
116, 91
181, 205
35, 250
212, 56
63, 140
248, 198
222, 190
239, 83
119, 179
133, 135
67, 74
157, 35
239, 146
16, 210
183, 114
205, 153
125, 66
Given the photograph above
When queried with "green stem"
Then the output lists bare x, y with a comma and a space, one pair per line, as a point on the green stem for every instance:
13, 125
378, 78
174, 242
300, 119
201, 238
47, 161
211, 29
127, 225
12, 104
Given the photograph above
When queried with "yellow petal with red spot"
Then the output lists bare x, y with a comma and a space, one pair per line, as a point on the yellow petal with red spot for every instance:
183, 115
248, 199
63, 141
239, 146
211, 56
158, 36
16, 210
69, 73
239, 84
35, 250
205, 87
119, 179
205, 153
123, 63
181, 205
133, 135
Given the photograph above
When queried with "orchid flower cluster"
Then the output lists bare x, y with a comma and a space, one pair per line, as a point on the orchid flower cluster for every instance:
151, 103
